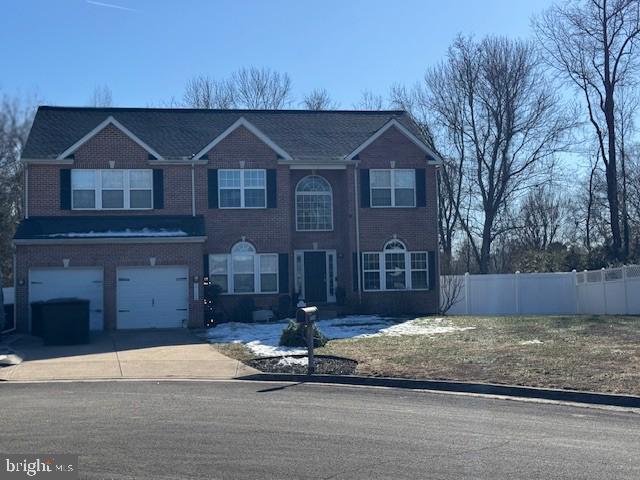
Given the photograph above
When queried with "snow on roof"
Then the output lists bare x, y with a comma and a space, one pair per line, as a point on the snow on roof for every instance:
144, 232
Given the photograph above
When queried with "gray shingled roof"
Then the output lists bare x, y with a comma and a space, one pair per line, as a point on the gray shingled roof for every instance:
175, 133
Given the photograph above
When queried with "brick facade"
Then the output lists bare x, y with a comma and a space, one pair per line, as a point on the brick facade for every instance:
270, 230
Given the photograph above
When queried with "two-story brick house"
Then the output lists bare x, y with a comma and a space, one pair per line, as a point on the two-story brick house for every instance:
132, 208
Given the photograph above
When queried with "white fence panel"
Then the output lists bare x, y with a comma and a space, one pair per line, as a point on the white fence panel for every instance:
546, 293
632, 285
614, 291
9, 295
492, 294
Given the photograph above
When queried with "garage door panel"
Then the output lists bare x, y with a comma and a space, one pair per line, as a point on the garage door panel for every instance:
152, 297
85, 283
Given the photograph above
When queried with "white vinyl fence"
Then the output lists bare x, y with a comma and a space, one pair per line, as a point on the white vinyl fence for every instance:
614, 291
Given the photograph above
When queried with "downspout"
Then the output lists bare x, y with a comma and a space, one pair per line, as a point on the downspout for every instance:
26, 190
193, 190
357, 217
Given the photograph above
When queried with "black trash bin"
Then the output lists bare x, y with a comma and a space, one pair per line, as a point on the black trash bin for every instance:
62, 321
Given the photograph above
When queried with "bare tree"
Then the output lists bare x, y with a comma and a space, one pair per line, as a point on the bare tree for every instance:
318, 99
492, 99
541, 218
625, 111
593, 44
261, 88
101, 97
15, 120
206, 92
254, 88
451, 287
369, 101
415, 101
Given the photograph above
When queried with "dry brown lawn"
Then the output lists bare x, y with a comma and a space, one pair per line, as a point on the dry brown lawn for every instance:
596, 353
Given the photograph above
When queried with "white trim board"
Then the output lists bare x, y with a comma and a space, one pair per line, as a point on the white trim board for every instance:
243, 122
394, 123
108, 121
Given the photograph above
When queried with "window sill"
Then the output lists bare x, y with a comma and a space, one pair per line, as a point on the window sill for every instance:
242, 208
109, 209
395, 207
397, 290
247, 293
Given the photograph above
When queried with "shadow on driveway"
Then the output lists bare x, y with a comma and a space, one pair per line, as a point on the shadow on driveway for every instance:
157, 354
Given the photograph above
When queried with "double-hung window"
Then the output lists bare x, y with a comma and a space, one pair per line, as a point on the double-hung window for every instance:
242, 188
244, 271
395, 268
111, 189
393, 188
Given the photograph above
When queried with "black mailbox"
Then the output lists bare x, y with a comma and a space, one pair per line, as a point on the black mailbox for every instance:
307, 314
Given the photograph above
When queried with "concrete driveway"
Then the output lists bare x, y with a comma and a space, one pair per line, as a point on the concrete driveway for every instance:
141, 354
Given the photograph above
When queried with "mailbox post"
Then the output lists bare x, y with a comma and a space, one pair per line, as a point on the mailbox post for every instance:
306, 316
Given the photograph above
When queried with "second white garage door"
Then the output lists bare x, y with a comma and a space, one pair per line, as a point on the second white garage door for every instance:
153, 297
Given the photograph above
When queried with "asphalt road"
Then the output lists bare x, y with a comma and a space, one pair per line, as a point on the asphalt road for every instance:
235, 430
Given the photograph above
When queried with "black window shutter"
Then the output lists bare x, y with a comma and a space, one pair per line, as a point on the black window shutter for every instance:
283, 272
65, 189
212, 179
354, 273
272, 188
432, 270
421, 185
205, 266
365, 200
158, 188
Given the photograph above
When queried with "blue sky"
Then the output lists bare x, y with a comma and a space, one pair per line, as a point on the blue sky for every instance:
145, 51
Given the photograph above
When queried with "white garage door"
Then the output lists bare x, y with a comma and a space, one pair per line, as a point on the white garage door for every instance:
153, 297
85, 283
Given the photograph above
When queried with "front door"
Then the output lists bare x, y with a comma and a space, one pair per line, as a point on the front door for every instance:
315, 277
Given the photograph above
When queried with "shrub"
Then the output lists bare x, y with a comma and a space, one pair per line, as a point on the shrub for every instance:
243, 311
294, 335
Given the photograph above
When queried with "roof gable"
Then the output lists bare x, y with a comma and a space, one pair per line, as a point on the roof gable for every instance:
243, 122
110, 120
405, 131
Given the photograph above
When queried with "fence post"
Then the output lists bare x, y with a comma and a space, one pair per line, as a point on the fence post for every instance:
517, 282
466, 293
624, 285
604, 290
575, 284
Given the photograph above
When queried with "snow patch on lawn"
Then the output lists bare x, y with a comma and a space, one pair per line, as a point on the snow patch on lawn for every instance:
263, 338
531, 342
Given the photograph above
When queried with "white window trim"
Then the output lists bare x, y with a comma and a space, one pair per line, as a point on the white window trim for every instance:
257, 280
242, 188
330, 193
392, 187
407, 272
97, 190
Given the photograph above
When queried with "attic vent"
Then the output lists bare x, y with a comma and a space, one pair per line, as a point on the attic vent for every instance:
152, 157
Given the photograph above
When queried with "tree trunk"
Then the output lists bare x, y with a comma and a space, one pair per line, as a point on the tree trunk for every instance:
485, 250
612, 178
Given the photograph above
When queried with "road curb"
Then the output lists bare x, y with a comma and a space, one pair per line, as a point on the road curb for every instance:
574, 396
